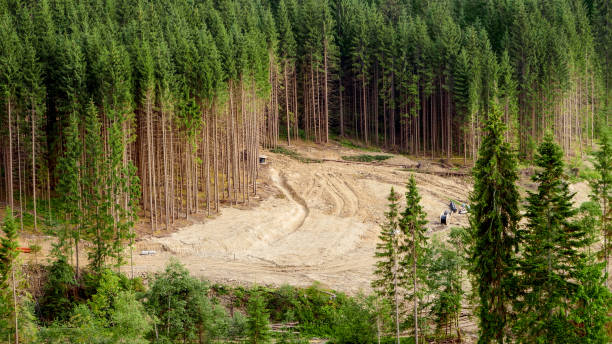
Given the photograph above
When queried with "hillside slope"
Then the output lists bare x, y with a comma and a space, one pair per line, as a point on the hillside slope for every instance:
318, 222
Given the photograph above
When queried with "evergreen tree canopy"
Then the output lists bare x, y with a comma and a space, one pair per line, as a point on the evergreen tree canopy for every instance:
493, 219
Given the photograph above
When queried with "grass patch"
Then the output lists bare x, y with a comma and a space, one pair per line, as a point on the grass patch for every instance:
366, 157
350, 144
293, 154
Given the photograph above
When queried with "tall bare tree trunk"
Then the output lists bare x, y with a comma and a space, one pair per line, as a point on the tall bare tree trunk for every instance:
33, 122
414, 280
287, 105
19, 177
10, 158
326, 96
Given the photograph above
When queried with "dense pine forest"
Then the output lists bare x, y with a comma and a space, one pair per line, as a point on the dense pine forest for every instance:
120, 113
165, 104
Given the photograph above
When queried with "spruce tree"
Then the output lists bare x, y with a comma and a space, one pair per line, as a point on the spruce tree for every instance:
412, 224
387, 255
8, 246
552, 252
258, 323
493, 219
69, 190
94, 220
601, 193
10, 51
8, 254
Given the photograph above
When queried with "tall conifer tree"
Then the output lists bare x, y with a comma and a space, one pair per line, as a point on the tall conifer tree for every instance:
388, 256
412, 223
601, 193
493, 220
553, 245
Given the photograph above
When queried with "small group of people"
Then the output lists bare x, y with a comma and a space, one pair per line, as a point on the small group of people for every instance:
445, 216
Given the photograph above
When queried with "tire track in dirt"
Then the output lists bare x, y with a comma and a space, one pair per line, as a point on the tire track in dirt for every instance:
280, 181
335, 194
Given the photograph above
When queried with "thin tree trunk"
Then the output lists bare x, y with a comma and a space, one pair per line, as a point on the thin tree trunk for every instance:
414, 280
326, 96
33, 122
15, 305
10, 158
19, 177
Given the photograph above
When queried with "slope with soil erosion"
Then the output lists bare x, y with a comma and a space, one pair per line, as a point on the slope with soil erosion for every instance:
319, 222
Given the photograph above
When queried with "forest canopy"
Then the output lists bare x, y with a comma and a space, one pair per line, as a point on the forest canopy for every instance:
179, 95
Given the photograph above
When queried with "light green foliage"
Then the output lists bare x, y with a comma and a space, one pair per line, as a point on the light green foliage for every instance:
366, 158
258, 325
112, 316
444, 283
70, 194
387, 283
8, 254
355, 321
293, 154
181, 306
8, 247
237, 326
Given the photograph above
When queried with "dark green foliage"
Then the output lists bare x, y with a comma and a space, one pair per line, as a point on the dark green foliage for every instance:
258, 325
387, 254
59, 292
8, 254
366, 158
413, 248
601, 190
8, 247
551, 252
494, 217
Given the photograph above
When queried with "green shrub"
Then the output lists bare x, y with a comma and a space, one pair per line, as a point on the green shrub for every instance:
113, 315
366, 157
355, 323
351, 144
237, 326
58, 298
181, 305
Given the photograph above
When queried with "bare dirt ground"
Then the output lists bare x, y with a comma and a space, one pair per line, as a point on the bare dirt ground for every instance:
320, 222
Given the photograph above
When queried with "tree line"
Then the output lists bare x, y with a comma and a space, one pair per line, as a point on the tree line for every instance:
181, 94
544, 279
